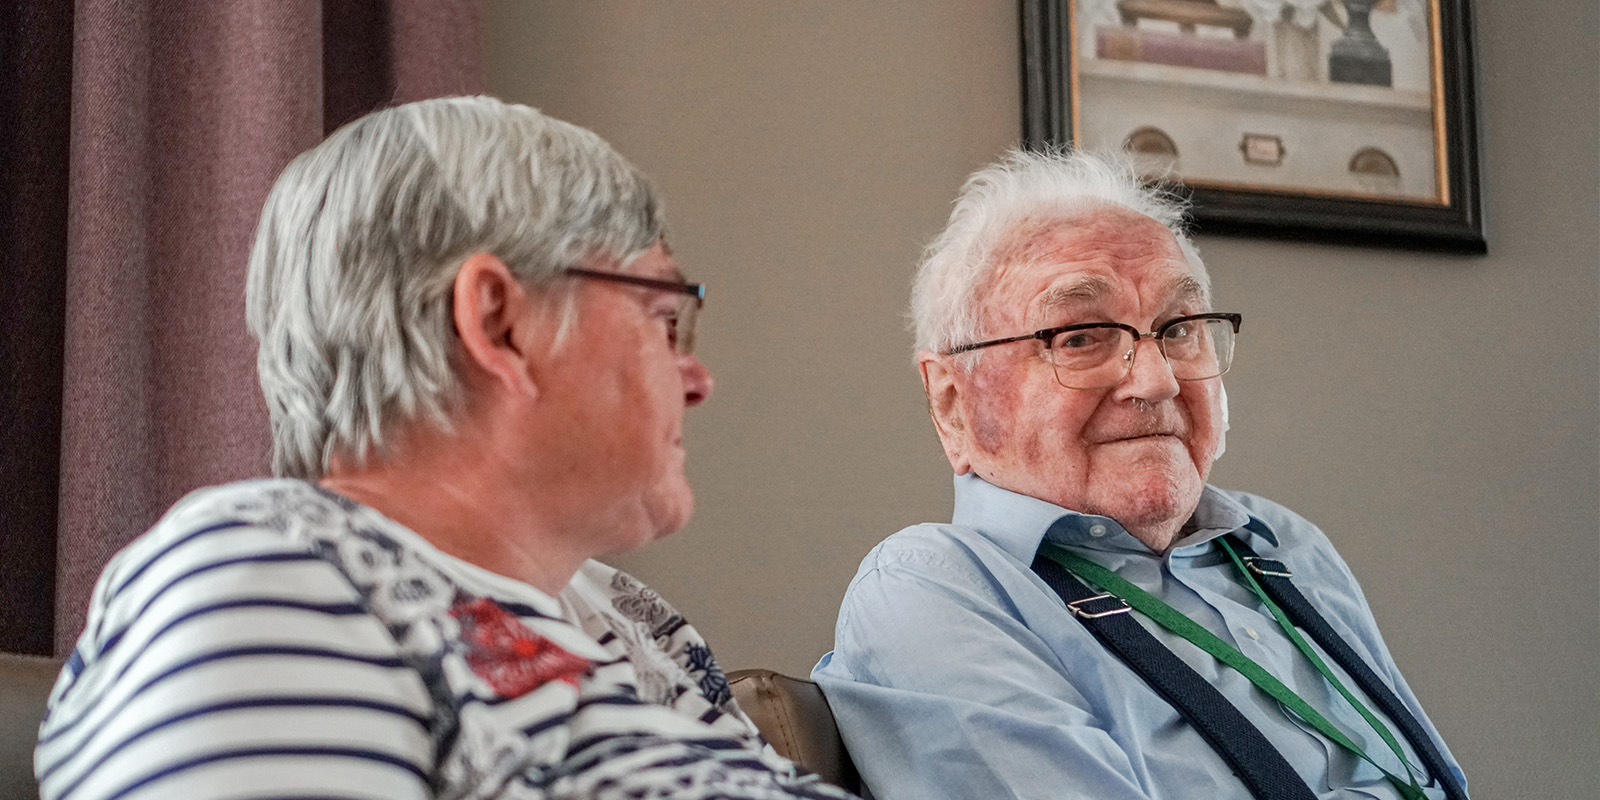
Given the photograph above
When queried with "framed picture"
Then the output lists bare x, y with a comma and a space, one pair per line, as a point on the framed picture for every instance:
1343, 120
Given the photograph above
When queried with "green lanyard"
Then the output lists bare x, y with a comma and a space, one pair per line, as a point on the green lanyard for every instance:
1168, 617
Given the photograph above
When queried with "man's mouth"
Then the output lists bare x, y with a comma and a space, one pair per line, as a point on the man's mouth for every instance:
1151, 428
1140, 436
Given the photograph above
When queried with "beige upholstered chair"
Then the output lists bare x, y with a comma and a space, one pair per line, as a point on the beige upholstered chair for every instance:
25, 683
794, 717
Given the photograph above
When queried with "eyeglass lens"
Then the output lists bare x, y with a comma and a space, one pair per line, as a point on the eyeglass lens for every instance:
1095, 358
682, 323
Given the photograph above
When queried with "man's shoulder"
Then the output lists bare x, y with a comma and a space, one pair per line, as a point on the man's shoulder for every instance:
932, 543
932, 557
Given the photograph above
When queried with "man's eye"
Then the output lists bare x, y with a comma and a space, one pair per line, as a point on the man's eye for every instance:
1092, 338
1079, 340
1182, 330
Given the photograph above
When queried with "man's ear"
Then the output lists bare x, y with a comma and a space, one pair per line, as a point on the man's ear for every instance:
489, 306
944, 405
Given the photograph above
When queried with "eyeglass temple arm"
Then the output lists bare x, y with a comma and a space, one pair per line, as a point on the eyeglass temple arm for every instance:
967, 348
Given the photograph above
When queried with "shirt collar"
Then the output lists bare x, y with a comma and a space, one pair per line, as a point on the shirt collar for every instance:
1018, 523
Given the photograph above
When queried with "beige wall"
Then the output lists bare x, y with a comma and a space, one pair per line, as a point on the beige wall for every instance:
1438, 416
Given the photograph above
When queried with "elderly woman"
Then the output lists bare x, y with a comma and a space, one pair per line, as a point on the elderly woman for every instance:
477, 351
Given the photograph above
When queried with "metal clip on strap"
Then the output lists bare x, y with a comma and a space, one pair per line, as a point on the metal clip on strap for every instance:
1266, 566
1111, 605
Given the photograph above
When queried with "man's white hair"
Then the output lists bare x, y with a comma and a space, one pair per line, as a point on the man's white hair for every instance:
349, 290
1007, 200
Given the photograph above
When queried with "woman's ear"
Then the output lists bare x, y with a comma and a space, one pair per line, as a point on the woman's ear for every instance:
490, 310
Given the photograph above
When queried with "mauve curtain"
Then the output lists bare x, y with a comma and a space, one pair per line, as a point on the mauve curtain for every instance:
34, 113
181, 114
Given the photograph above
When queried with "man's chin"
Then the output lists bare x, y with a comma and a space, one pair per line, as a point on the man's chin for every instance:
1147, 459
1155, 497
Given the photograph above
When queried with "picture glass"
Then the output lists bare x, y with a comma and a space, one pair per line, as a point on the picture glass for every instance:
1316, 97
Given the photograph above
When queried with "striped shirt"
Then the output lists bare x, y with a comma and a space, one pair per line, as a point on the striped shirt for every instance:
269, 639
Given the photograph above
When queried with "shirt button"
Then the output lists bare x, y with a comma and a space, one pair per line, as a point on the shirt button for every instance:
1097, 531
1251, 632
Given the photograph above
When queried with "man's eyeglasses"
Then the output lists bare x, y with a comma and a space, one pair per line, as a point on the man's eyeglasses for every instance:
1097, 355
680, 326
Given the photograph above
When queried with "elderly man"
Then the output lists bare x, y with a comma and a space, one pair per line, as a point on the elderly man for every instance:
1096, 621
477, 351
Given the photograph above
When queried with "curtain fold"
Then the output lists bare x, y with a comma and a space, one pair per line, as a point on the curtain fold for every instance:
35, 48
182, 112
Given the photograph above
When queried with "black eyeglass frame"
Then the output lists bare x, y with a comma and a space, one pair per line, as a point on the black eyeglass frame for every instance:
1047, 334
695, 290
683, 333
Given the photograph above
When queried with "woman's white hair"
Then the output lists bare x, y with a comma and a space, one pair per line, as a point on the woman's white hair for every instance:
349, 291
1005, 201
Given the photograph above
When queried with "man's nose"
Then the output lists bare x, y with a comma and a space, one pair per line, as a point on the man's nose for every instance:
1149, 375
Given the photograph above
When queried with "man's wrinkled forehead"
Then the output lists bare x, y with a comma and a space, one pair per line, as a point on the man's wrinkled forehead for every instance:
1094, 291
1089, 260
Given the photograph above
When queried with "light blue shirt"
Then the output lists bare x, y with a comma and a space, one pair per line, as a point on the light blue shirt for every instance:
957, 673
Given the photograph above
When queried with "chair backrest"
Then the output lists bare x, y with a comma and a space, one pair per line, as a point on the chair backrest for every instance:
795, 719
25, 683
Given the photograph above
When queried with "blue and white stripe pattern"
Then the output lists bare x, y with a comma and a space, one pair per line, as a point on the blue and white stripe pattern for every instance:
271, 640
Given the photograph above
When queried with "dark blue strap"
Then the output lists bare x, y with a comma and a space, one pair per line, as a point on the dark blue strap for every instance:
1252, 758
1274, 579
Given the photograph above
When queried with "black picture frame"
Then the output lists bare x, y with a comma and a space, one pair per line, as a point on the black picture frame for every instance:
1454, 222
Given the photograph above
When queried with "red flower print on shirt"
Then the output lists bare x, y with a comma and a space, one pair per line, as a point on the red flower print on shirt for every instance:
508, 656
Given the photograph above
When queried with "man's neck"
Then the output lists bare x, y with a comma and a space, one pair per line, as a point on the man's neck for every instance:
1158, 537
